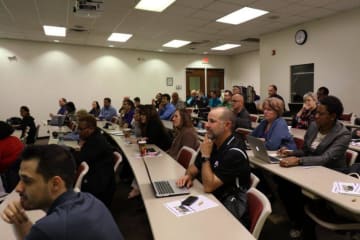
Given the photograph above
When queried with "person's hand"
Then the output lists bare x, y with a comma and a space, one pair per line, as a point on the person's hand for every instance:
14, 213
206, 147
184, 181
289, 162
284, 152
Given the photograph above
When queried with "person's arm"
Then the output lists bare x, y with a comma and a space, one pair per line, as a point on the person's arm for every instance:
16, 215
187, 179
279, 131
168, 111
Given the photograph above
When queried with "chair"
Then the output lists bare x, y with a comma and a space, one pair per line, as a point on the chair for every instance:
259, 209
185, 156
254, 118
81, 172
350, 157
329, 221
254, 180
117, 160
346, 116
243, 131
299, 142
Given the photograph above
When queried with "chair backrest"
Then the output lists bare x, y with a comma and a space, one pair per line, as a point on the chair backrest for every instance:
117, 160
81, 172
254, 118
254, 180
185, 156
350, 157
299, 142
259, 209
37, 131
346, 116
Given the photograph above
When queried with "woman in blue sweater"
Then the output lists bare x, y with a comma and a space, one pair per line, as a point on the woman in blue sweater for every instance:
273, 129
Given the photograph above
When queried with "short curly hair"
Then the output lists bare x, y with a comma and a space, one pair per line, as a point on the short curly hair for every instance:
333, 105
275, 104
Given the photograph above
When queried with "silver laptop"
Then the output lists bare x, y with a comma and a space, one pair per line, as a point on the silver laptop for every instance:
260, 151
165, 188
57, 120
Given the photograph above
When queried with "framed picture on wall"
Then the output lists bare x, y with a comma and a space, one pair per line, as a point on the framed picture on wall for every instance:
169, 81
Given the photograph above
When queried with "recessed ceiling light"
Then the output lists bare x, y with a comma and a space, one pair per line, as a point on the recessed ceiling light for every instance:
242, 15
119, 37
176, 43
154, 6
225, 47
54, 31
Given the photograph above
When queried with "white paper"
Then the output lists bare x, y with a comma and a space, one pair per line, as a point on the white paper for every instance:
116, 133
201, 204
346, 188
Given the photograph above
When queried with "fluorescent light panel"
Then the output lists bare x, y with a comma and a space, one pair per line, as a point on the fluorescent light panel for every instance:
242, 15
225, 47
154, 5
54, 31
119, 37
176, 43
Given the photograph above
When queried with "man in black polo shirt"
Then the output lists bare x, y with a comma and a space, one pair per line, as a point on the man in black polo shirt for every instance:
221, 162
47, 176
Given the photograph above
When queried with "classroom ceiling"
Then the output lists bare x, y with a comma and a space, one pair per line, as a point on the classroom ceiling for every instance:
192, 20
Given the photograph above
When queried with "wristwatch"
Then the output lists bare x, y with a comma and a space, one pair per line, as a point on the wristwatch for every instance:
205, 159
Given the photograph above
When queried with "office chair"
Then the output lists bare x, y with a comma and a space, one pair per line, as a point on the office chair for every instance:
117, 160
81, 172
185, 156
350, 157
254, 180
259, 209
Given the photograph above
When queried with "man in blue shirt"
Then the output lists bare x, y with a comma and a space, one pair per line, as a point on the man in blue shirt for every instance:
167, 109
107, 112
47, 175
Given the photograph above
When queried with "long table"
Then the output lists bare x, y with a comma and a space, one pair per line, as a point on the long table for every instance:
315, 179
213, 223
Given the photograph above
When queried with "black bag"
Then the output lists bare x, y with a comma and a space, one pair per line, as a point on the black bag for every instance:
236, 203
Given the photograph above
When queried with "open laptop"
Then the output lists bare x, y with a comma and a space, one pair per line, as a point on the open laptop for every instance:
57, 120
260, 151
165, 188
295, 107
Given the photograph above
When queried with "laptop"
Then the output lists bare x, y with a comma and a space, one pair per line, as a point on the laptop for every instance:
165, 188
260, 151
57, 120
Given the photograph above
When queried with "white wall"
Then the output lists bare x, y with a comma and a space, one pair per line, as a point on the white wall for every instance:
332, 45
44, 72
245, 70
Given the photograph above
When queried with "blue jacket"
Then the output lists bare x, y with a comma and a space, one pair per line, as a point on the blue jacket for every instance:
167, 111
278, 135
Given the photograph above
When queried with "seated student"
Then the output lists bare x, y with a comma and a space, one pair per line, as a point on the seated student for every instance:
214, 101
95, 109
185, 134
70, 113
127, 113
221, 165
166, 109
325, 144
273, 129
98, 154
192, 100
227, 99
107, 112
153, 130
242, 115
62, 110
47, 175
28, 124
157, 101
306, 114
10, 150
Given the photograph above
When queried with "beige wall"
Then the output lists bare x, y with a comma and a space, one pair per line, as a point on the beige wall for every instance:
44, 72
333, 46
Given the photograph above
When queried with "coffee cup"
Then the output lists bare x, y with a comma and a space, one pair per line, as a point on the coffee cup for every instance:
142, 147
127, 132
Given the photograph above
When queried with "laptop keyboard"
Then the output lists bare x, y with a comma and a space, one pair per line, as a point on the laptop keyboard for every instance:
163, 187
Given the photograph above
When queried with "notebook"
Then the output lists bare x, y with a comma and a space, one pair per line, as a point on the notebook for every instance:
165, 188
57, 120
260, 151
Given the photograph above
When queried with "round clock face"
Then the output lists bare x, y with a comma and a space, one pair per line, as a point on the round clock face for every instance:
300, 37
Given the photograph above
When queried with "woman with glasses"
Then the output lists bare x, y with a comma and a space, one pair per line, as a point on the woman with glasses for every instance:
273, 129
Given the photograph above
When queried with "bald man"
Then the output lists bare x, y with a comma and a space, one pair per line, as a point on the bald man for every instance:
242, 116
